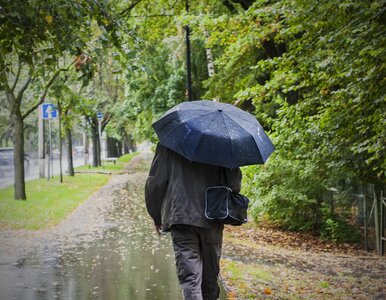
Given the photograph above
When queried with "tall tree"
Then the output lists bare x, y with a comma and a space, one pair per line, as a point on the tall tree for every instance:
34, 35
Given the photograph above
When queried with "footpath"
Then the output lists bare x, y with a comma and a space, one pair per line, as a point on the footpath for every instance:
86, 220
257, 262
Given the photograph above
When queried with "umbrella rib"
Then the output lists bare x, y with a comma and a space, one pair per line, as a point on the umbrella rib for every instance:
228, 135
250, 134
241, 118
257, 124
196, 144
184, 123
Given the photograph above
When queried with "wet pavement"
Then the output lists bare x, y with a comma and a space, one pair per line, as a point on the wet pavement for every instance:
106, 249
31, 169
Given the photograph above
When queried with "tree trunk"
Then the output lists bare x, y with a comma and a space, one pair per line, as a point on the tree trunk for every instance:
126, 143
95, 147
110, 147
113, 147
132, 146
86, 150
99, 152
18, 150
69, 153
125, 146
119, 148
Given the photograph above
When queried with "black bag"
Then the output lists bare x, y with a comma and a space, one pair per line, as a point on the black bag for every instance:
224, 206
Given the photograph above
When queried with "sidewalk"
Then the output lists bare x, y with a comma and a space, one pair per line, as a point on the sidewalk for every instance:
105, 249
83, 221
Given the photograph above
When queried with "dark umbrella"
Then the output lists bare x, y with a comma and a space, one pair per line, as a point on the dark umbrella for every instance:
214, 133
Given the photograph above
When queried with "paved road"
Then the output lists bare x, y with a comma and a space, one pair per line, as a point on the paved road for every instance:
106, 249
32, 170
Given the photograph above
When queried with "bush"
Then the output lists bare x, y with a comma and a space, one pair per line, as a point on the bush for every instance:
285, 193
292, 196
338, 231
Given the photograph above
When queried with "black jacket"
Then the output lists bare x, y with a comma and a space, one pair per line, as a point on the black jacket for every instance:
175, 188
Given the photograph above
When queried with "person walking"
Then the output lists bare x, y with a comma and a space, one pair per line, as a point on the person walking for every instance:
175, 199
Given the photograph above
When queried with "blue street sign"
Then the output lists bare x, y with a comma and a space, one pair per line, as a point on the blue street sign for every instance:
99, 116
49, 111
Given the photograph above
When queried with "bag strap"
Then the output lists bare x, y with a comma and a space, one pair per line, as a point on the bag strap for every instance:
224, 175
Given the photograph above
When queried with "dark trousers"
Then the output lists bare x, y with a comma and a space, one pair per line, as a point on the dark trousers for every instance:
198, 252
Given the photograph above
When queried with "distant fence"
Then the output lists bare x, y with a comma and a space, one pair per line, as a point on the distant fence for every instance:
367, 213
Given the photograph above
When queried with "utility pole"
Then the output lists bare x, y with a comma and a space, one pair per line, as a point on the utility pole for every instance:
41, 150
50, 169
188, 61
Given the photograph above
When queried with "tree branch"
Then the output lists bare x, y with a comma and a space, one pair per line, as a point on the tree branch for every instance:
4, 85
130, 8
17, 76
23, 88
152, 16
106, 121
245, 4
46, 88
229, 6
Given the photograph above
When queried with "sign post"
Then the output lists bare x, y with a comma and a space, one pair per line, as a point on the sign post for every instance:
49, 112
100, 117
41, 143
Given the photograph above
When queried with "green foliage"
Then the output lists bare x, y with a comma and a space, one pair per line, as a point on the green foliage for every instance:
312, 73
291, 195
154, 86
286, 193
36, 40
38, 35
317, 83
338, 231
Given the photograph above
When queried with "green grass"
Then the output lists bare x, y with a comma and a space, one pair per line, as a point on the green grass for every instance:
109, 166
48, 202
248, 281
126, 158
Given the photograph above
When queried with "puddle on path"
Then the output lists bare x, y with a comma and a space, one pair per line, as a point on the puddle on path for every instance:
124, 260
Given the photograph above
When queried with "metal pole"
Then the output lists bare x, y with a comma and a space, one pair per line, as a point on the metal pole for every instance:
41, 150
51, 160
376, 221
188, 61
49, 151
365, 220
382, 227
100, 140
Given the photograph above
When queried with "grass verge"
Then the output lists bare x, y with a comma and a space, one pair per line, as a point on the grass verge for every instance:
109, 167
48, 202
248, 281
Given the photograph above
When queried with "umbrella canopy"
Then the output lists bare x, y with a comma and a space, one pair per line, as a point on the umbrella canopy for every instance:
214, 133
